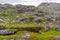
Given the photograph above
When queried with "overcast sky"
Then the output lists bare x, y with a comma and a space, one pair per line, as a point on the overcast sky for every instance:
27, 2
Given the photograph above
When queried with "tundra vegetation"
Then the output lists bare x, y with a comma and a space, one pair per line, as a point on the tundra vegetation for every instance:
22, 22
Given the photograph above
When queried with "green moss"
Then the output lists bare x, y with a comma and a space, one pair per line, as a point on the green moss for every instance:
45, 35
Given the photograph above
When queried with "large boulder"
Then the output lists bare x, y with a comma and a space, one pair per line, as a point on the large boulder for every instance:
7, 32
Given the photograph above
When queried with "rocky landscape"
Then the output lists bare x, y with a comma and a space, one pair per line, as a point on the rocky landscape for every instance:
27, 22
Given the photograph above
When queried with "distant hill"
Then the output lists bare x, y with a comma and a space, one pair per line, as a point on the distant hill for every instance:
16, 8
50, 8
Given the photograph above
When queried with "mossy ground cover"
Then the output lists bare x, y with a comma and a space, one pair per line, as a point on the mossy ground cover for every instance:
36, 36
33, 35
45, 35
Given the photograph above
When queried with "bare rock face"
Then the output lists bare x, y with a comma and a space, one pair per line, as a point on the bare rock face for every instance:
50, 8
6, 32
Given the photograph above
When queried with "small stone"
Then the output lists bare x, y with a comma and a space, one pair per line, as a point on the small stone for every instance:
57, 38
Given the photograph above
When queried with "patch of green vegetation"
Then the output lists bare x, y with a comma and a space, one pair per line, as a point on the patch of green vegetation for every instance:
44, 35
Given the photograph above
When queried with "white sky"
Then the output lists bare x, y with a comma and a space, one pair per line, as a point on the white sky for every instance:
27, 2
